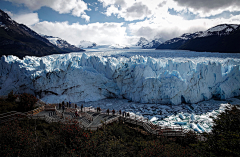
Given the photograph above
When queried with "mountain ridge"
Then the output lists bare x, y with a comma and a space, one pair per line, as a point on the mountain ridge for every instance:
145, 44
62, 44
220, 38
19, 40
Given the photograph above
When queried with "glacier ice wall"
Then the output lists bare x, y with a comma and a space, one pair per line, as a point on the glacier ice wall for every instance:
140, 79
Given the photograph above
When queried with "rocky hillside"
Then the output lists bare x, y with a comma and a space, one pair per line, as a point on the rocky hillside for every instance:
145, 44
221, 38
87, 44
19, 40
62, 44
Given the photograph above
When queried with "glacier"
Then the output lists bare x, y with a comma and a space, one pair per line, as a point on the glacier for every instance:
138, 77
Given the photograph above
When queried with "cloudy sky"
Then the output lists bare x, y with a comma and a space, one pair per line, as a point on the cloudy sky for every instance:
121, 21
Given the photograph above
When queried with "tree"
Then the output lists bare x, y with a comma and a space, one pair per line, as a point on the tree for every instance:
11, 97
225, 137
27, 102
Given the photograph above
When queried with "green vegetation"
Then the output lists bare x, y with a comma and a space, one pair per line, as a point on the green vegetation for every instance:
26, 103
225, 137
38, 138
28, 137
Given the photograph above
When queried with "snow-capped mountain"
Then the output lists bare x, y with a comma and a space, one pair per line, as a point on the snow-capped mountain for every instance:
19, 40
62, 44
118, 46
220, 38
86, 44
145, 44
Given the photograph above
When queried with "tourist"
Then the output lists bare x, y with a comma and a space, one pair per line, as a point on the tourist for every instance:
81, 107
120, 112
108, 111
113, 111
76, 114
128, 115
75, 105
63, 107
63, 104
70, 104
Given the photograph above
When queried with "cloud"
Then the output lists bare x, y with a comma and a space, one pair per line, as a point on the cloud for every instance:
130, 10
137, 11
210, 7
155, 19
173, 26
86, 17
101, 33
159, 22
26, 18
75, 7
107, 3
162, 4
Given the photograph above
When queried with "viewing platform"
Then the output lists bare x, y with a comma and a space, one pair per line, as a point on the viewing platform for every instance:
92, 119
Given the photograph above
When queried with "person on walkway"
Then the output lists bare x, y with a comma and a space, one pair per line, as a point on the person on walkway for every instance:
108, 111
63, 108
128, 115
63, 104
70, 104
76, 114
113, 111
123, 114
75, 105
81, 107
120, 112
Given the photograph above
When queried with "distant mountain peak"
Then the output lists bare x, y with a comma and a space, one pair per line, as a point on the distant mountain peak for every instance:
62, 44
145, 44
87, 44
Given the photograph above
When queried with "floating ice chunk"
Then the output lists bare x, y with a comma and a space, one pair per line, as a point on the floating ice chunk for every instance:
180, 123
189, 108
201, 128
154, 119
195, 127
181, 116
193, 118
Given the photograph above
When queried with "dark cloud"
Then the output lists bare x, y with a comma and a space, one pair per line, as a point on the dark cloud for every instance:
162, 4
145, 32
138, 10
121, 3
208, 5
165, 33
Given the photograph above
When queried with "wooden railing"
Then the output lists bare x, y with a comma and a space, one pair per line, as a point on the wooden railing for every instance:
144, 122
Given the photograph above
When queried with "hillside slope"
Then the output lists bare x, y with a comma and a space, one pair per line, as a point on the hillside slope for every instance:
19, 40
221, 38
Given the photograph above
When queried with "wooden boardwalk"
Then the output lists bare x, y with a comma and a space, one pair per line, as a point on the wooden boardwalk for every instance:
90, 119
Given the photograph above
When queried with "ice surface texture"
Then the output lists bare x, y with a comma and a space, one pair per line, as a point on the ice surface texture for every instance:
74, 77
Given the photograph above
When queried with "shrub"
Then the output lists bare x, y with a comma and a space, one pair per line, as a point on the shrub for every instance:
27, 102
225, 137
